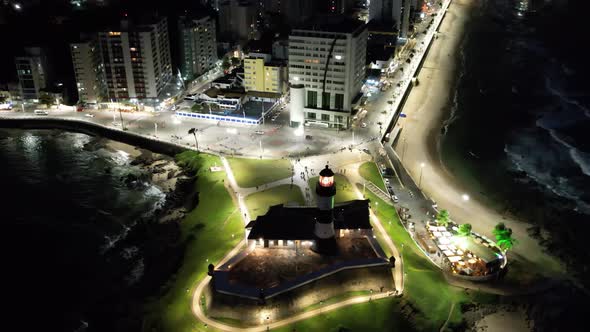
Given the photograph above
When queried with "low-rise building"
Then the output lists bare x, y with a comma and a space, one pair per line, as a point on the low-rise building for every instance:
264, 76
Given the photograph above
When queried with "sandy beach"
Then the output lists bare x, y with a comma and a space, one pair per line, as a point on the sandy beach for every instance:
426, 110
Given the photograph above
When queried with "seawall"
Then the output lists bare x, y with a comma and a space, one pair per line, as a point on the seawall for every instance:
93, 129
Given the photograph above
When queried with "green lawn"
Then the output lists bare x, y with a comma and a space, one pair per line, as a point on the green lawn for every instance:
207, 233
425, 286
380, 315
259, 202
256, 172
370, 172
344, 190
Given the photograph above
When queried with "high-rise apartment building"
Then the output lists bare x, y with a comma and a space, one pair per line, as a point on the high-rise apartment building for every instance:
386, 13
89, 71
328, 57
198, 46
238, 19
31, 69
136, 59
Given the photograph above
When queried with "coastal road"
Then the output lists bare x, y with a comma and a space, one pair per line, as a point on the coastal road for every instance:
425, 109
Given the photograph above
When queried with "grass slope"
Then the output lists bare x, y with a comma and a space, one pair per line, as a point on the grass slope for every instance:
259, 202
207, 233
256, 172
425, 285
370, 172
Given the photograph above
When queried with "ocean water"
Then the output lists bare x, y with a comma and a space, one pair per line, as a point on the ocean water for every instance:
521, 106
519, 130
66, 213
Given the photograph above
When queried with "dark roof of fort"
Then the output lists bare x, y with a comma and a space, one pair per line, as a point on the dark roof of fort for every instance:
297, 223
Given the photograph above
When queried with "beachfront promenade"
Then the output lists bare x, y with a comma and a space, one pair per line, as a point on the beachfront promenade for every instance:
419, 143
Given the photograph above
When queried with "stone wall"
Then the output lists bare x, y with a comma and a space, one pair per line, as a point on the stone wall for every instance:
252, 312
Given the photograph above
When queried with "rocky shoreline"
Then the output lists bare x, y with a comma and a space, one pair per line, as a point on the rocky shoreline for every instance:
158, 169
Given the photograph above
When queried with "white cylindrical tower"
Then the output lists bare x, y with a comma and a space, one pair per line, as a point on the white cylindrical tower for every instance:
324, 225
297, 102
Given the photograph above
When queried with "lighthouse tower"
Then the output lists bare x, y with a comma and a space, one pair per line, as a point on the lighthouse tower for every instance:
325, 242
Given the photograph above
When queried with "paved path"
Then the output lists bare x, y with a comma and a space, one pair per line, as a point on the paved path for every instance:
418, 144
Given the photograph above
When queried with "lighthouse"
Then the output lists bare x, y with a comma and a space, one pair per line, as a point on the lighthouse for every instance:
325, 240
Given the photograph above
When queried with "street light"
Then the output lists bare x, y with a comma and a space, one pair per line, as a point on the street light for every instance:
421, 169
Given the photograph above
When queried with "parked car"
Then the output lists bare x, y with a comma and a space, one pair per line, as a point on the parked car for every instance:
386, 181
394, 198
89, 115
390, 190
259, 132
41, 112
363, 125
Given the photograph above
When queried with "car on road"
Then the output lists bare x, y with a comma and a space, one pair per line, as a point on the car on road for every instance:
89, 115
363, 125
390, 190
41, 112
259, 132
394, 198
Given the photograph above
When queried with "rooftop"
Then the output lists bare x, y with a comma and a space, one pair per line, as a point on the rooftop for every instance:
214, 92
297, 223
331, 23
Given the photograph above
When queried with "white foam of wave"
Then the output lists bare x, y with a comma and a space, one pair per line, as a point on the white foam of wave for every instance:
156, 193
111, 241
136, 273
581, 159
538, 168
562, 96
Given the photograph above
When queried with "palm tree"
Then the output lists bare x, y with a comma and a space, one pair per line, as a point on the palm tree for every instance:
504, 238
194, 132
442, 219
464, 230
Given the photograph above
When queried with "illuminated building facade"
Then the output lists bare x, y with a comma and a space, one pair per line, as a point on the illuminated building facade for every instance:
328, 56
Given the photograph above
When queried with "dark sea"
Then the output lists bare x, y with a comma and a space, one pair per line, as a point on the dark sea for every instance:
66, 214
519, 129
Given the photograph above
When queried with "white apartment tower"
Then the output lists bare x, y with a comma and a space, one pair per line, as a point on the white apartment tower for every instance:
32, 73
89, 71
328, 58
198, 46
136, 60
